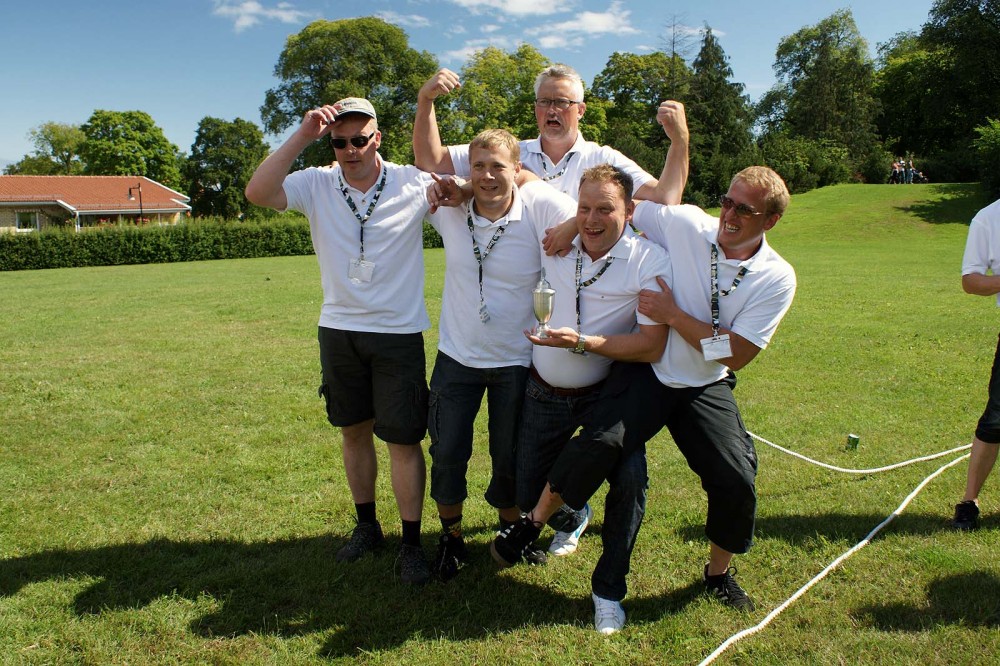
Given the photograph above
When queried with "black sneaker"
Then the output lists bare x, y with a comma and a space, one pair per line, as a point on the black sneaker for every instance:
451, 556
365, 538
515, 541
534, 555
966, 516
725, 588
413, 568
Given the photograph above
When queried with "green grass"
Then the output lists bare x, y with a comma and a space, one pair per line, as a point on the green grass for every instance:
173, 494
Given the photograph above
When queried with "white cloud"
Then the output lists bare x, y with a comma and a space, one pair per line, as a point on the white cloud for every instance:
472, 46
250, 13
615, 20
487, 29
404, 20
512, 7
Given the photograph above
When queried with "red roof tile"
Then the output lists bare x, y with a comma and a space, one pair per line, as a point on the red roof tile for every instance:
91, 193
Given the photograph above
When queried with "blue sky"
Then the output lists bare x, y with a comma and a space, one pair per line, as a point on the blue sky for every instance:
180, 61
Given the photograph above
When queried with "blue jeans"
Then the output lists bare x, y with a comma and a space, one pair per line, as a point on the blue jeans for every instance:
624, 508
456, 394
547, 423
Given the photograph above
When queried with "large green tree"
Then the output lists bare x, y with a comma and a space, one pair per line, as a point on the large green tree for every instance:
719, 117
128, 143
633, 86
362, 57
825, 93
498, 91
57, 151
223, 157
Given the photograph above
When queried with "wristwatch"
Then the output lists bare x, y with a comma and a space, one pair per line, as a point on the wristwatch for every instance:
581, 343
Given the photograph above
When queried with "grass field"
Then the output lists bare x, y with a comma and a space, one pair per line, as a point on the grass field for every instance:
173, 494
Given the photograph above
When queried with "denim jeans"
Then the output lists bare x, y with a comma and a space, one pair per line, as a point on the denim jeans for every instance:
456, 394
624, 508
547, 423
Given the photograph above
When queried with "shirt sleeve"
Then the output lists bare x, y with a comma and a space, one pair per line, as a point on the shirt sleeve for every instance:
759, 318
655, 264
977, 257
549, 207
460, 160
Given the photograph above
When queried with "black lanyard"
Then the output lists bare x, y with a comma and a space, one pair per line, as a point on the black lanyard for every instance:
581, 285
481, 256
371, 206
552, 176
715, 288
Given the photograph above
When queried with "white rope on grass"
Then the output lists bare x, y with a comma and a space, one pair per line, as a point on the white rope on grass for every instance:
802, 590
860, 471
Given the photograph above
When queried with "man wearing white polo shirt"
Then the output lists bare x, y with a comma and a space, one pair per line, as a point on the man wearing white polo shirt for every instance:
492, 261
594, 323
365, 217
560, 154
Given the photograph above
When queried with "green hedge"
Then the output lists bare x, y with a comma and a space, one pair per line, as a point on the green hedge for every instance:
190, 241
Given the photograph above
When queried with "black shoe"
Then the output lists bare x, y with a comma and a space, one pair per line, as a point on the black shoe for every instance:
515, 541
534, 555
451, 556
725, 588
966, 516
413, 568
365, 538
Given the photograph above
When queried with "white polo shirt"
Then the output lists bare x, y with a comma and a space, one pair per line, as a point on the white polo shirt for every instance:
510, 273
753, 310
982, 246
393, 301
607, 307
564, 176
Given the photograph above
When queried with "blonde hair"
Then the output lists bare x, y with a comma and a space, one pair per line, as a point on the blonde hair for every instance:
764, 178
497, 138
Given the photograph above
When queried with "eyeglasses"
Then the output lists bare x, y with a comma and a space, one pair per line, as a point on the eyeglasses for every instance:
742, 210
340, 142
559, 103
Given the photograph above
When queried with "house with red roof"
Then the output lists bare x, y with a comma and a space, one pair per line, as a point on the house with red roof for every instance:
31, 203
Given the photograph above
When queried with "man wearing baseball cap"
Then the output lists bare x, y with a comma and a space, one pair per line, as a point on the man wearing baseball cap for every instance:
365, 217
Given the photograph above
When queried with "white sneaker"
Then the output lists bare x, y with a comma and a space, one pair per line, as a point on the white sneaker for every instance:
609, 616
565, 543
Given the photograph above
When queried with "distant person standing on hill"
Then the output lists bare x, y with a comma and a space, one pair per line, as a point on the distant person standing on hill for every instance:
980, 276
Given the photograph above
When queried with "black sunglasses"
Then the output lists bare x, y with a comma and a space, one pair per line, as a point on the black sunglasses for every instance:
340, 142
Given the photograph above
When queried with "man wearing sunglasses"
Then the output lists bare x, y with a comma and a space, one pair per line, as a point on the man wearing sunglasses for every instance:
366, 219
560, 154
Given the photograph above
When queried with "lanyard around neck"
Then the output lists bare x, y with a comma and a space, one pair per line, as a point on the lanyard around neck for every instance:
581, 285
715, 287
552, 176
371, 206
481, 256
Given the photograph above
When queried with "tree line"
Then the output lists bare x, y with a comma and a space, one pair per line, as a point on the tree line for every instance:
835, 114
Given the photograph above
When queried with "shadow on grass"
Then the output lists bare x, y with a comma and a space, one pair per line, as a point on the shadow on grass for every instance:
295, 587
852, 527
969, 600
958, 204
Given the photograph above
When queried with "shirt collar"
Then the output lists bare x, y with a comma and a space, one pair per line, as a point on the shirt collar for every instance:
515, 214
620, 250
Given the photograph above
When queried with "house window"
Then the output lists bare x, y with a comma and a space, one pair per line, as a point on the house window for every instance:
27, 221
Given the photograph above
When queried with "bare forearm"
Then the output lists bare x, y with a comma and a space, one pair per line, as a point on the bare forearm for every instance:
265, 186
429, 153
694, 331
981, 285
632, 347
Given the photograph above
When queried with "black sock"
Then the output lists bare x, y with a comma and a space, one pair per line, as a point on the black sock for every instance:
452, 526
411, 532
366, 512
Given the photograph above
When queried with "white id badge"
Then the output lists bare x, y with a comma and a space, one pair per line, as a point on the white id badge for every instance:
716, 347
361, 270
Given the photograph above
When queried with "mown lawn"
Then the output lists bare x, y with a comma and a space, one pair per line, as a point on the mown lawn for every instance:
173, 494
